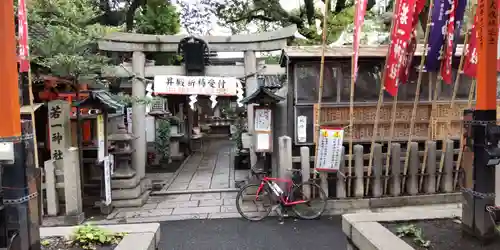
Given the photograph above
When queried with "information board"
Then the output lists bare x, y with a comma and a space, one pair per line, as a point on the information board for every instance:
329, 149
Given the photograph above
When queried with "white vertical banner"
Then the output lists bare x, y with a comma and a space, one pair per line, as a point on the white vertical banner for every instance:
107, 180
101, 138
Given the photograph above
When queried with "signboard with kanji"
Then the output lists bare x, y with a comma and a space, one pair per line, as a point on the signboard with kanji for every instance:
59, 133
329, 149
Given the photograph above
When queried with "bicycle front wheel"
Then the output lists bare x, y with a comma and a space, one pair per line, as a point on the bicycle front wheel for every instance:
315, 200
251, 205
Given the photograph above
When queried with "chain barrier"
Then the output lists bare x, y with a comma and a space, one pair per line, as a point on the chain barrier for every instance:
20, 200
480, 122
478, 194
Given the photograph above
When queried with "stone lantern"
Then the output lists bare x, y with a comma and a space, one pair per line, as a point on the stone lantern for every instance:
122, 149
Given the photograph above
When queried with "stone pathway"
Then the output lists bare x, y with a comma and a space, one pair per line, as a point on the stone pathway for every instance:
180, 207
207, 170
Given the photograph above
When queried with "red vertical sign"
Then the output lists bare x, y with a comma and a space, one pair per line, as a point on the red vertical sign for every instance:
400, 39
24, 64
410, 51
359, 18
470, 50
448, 54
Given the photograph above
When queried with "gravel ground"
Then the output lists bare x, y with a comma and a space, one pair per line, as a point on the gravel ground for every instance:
444, 235
59, 243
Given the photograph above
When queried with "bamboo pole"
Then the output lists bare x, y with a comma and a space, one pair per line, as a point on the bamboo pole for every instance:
321, 82
375, 128
417, 93
391, 135
430, 129
452, 106
32, 113
379, 106
351, 125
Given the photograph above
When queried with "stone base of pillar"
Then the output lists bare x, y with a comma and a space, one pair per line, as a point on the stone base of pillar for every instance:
128, 189
65, 220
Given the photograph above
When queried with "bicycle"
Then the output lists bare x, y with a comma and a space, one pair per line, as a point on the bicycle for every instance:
297, 196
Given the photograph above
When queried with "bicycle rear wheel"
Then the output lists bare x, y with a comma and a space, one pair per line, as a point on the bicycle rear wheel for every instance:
253, 206
315, 200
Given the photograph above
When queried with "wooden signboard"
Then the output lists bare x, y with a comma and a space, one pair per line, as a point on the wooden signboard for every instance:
263, 129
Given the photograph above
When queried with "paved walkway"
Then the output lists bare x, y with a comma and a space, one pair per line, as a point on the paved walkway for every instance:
238, 234
209, 169
180, 207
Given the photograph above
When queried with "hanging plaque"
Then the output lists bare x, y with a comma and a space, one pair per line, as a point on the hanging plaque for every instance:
302, 128
329, 149
262, 119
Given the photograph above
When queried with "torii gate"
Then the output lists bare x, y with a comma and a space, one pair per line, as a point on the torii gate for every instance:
138, 44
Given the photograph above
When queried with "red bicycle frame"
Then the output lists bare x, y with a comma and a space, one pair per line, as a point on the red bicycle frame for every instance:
283, 198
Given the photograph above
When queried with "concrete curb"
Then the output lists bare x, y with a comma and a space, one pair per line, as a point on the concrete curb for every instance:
364, 232
144, 236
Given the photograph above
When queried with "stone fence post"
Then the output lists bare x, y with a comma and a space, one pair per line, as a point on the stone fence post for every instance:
341, 180
395, 169
285, 156
359, 170
50, 188
305, 165
72, 185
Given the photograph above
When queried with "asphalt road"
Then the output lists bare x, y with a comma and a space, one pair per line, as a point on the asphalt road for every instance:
238, 234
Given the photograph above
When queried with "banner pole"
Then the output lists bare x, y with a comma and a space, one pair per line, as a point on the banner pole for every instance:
452, 106
417, 92
321, 83
379, 105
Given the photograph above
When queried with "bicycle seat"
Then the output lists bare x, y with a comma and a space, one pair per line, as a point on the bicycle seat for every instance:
258, 171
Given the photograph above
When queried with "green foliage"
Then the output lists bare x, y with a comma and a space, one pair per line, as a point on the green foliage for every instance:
162, 141
89, 237
157, 17
66, 41
415, 233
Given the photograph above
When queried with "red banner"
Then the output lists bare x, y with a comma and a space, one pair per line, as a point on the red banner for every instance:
446, 73
400, 39
24, 63
405, 68
470, 50
359, 18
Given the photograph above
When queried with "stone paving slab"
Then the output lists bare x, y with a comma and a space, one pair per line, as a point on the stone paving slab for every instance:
208, 169
196, 210
222, 205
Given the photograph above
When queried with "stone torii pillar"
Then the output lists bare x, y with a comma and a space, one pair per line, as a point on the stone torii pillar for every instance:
251, 85
139, 156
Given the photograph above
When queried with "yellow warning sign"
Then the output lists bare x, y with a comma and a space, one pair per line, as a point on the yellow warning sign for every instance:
325, 133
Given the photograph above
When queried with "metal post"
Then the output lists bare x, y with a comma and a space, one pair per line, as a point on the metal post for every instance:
485, 134
18, 180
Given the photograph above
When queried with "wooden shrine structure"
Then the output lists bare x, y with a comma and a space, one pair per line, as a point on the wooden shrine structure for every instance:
303, 66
